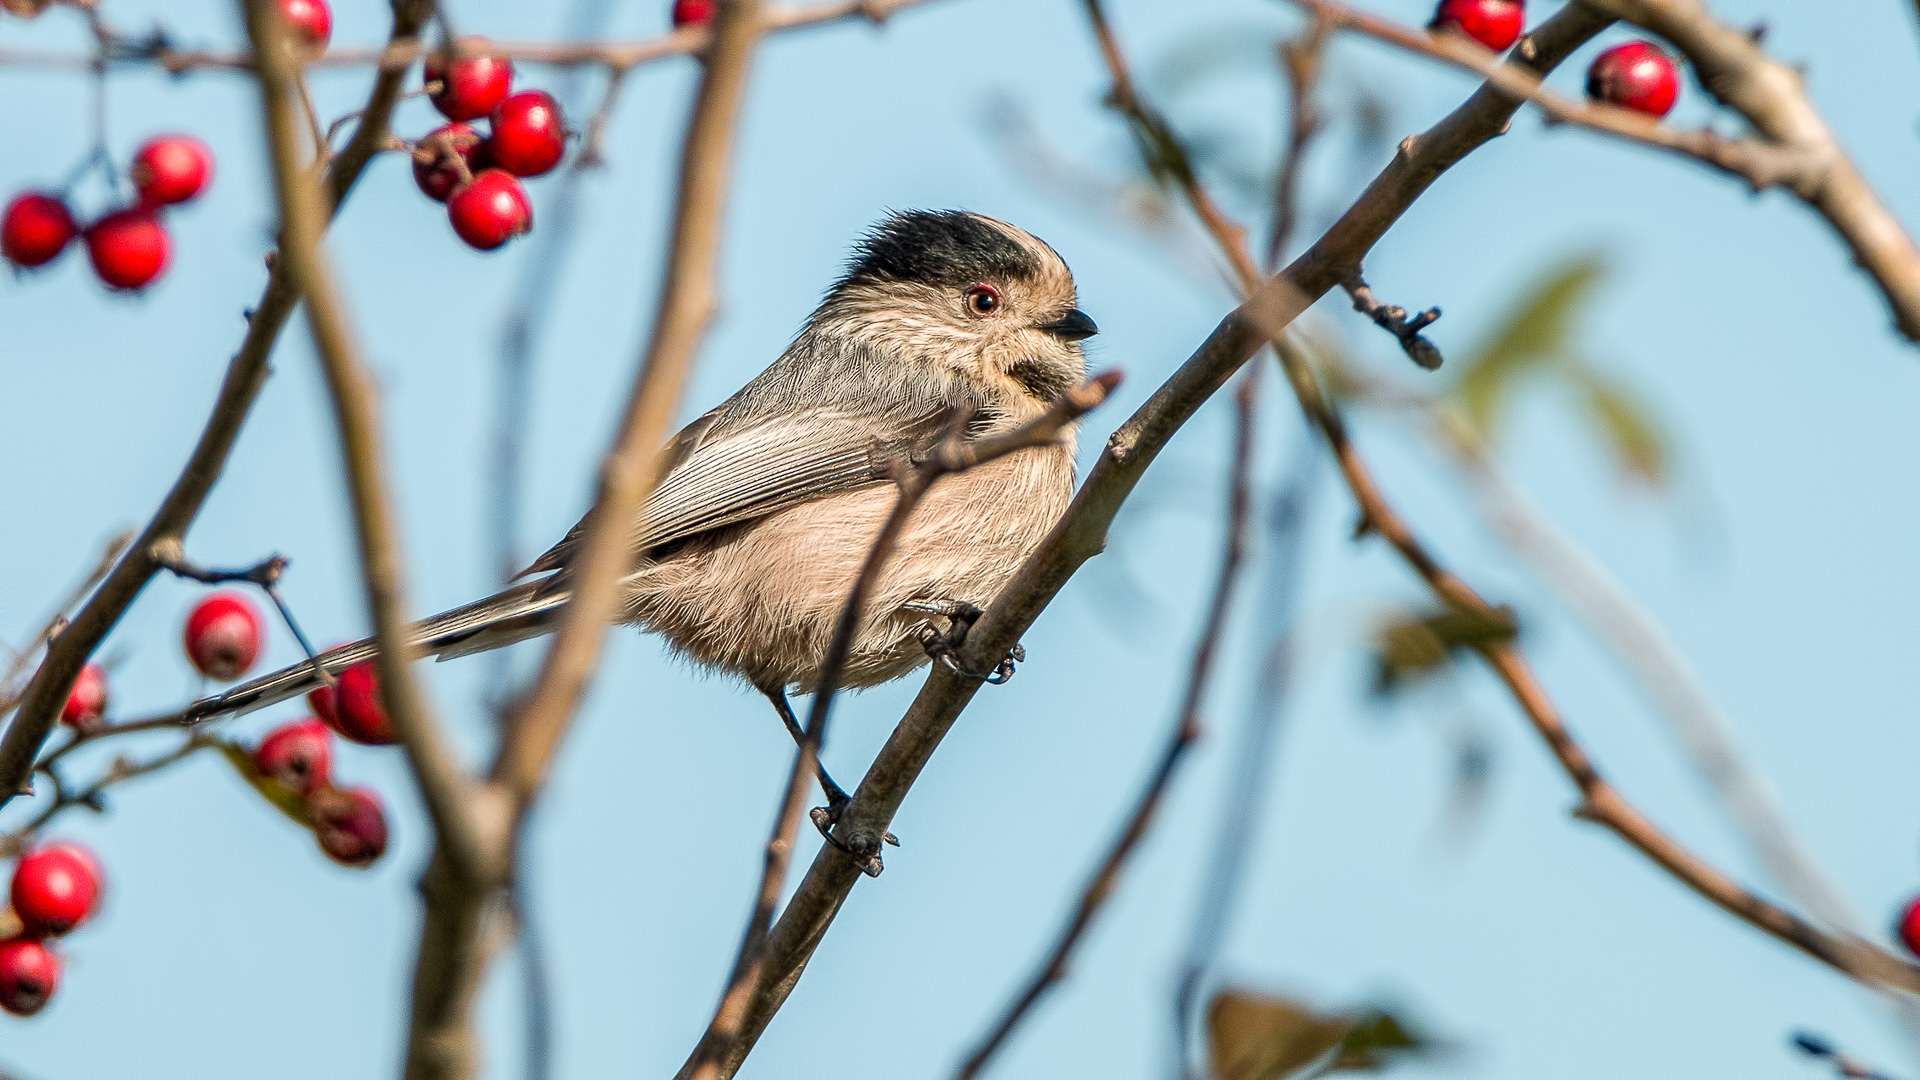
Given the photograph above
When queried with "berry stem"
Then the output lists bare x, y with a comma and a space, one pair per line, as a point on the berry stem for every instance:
170, 556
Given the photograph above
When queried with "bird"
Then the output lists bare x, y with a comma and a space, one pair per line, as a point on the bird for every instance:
742, 557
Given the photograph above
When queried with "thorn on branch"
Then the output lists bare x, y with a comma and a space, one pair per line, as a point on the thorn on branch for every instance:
1394, 320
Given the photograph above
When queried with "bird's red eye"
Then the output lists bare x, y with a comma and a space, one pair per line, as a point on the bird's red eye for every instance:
983, 300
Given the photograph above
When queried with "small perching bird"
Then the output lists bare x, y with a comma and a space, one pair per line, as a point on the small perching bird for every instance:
744, 554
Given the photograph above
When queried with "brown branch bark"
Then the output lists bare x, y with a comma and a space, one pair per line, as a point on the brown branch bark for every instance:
402, 51
915, 479
303, 216
455, 943
246, 374
687, 304
1081, 533
1795, 148
1186, 731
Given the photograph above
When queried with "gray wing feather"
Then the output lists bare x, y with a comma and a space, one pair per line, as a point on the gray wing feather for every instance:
827, 417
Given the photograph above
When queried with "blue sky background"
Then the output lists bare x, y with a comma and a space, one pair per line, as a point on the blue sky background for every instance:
1540, 946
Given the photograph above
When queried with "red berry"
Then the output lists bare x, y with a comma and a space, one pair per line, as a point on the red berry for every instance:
1908, 928
693, 12
172, 169
223, 636
37, 226
299, 755
1637, 75
55, 889
129, 248
351, 706
87, 701
471, 86
350, 825
439, 176
311, 21
529, 135
1493, 23
490, 211
29, 974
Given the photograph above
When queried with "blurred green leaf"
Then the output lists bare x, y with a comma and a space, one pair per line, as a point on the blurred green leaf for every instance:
1538, 334
1416, 645
1256, 1037
1625, 424
1376, 1041
1259, 1037
1216, 51
284, 799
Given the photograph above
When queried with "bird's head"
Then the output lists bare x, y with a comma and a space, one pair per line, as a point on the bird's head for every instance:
976, 297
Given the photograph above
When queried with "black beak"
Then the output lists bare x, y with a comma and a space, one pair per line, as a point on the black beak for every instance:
1073, 326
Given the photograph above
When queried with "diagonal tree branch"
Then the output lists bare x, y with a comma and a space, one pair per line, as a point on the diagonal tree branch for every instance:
1081, 533
953, 455
1186, 732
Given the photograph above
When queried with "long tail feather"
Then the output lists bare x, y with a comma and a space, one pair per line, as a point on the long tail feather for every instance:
502, 619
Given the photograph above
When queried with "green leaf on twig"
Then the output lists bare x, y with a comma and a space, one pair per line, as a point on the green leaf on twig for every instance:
1625, 424
1255, 1036
1376, 1041
1538, 335
1416, 645
284, 799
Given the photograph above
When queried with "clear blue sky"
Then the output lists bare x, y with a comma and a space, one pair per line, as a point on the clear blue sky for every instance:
1542, 946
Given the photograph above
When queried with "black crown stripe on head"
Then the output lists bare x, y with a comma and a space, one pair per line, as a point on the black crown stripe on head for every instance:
944, 248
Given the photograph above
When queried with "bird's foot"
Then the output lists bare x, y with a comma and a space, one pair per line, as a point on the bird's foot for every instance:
826, 817
944, 648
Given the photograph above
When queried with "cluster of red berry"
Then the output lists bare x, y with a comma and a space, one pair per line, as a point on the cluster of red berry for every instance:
478, 176
55, 888
223, 638
349, 823
1638, 75
129, 247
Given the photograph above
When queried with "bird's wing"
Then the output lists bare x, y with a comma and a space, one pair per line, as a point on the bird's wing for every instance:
723, 475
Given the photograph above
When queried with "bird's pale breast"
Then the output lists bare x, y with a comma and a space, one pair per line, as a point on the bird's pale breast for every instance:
760, 601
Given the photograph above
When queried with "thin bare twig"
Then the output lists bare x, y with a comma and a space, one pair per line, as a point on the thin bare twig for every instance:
1302, 57
952, 455
1644, 649
109, 555
65, 798
399, 54
1165, 157
1286, 546
1186, 732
